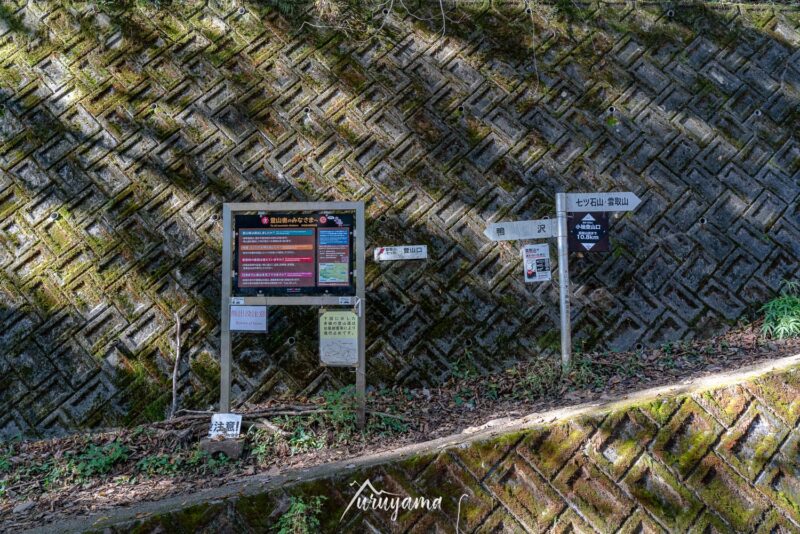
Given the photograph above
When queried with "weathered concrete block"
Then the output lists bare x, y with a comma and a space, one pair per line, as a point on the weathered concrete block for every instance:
232, 448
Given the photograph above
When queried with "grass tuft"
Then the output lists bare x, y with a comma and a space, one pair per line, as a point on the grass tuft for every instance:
301, 517
782, 314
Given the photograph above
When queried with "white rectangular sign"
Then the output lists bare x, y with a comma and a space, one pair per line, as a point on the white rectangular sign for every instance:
536, 263
249, 318
227, 425
338, 338
623, 201
513, 230
406, 252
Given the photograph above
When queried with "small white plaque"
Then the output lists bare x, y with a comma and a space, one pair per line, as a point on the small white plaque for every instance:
405, 252
338, 338
536, 263
345, 301
227, 425
249, 318
237, 301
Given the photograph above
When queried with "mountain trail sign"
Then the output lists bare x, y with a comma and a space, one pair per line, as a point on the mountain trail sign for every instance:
516, 230
407, 252
580, 225
623, 201
588, 232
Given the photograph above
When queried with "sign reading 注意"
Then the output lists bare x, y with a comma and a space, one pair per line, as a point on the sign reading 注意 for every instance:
225, 425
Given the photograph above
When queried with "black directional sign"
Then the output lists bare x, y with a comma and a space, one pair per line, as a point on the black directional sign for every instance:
588, 231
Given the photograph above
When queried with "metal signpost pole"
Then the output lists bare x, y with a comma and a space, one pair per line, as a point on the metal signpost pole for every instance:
591, 234
563, 281
361, 370
225, 335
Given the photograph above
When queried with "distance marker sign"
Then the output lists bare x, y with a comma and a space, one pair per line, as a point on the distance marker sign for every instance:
588, 232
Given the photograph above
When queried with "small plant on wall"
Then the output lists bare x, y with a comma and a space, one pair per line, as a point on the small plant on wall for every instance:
782, 314
301, 517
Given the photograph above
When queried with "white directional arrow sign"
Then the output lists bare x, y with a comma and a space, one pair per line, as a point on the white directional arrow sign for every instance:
509, 231
623, 201
588, 220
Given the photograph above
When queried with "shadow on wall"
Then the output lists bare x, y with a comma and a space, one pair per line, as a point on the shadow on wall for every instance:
124, 129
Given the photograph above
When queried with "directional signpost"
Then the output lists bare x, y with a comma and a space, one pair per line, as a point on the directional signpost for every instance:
513, 231
580, 225
408, 252
602, 201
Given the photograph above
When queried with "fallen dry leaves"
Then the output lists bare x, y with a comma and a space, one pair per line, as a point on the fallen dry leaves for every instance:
31, 496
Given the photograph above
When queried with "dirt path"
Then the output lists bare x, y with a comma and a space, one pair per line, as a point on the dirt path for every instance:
79, 475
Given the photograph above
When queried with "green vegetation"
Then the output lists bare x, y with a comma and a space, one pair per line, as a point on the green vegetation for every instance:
99, 460
341, 406
93, 462
301, 517
782, 314
5, 466
159, 464
537, 382
463, 368
205, 462
304, 440
385, 425
585, 373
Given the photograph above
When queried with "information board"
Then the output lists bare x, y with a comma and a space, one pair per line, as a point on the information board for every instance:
333, 257
293, 253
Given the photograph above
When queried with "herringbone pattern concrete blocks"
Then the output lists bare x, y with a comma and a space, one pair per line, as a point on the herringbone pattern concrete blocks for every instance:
725, 460
122, 131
